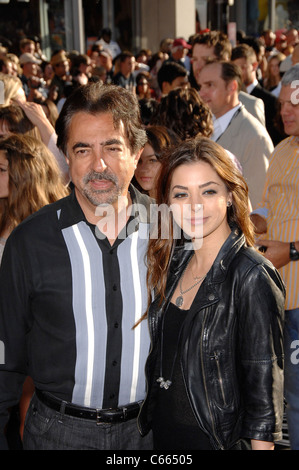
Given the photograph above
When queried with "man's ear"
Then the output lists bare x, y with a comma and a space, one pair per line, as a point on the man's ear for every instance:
165, 88
232, 86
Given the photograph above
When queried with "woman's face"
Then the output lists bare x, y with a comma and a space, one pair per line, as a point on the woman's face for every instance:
199, 200
274, 67
148, 170
4, 177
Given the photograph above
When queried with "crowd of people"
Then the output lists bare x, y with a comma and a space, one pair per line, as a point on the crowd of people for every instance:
124, 328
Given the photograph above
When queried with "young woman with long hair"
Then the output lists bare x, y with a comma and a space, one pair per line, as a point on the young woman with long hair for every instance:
215, 367
30, 179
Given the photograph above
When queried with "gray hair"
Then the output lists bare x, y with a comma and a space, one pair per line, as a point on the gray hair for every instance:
96, 98
291, 75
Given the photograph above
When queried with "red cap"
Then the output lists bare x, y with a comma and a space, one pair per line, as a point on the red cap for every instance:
181, 42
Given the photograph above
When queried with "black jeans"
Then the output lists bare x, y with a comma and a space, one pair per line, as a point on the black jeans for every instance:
46, 429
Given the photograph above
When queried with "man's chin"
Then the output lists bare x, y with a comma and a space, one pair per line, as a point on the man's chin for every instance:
103, 198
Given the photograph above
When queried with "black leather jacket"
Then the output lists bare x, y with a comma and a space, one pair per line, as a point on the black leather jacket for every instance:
232, 352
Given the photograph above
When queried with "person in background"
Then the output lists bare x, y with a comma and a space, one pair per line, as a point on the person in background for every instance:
170, 76
12, 90
217, 312
245, 57
61, 68
143, 89
235, 129
30, 179
272, 80
30, 118
215, 45
105, 40
125, 77
184, 114
148, 169
276, 221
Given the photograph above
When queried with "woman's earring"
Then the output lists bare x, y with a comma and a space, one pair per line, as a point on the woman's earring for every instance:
229, 203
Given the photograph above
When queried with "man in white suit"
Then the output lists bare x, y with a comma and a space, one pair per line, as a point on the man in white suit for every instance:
216, 45
235, 128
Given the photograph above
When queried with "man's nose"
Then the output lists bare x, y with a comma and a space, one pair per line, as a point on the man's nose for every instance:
99, 163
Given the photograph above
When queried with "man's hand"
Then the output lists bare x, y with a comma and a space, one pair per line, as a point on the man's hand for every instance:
260, 224
277, 252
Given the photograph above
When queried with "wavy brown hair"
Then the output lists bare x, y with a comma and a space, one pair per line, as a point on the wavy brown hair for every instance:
184, 113
34, 179
189, 152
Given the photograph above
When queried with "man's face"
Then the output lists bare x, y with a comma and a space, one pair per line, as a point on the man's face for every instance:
30, 69
127, 66
100, 161
179, 82
62, 68
213, 90
247, 69
289, 102
200, 55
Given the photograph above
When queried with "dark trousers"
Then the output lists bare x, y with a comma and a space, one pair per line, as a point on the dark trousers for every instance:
46, 429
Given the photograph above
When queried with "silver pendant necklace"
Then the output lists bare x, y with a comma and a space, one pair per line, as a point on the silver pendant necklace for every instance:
179, 302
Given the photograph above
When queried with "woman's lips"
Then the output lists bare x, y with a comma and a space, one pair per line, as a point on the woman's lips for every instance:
145, 179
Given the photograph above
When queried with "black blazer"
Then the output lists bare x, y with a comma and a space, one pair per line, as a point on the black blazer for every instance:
271, 112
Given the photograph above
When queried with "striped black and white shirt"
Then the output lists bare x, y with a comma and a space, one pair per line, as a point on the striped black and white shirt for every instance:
68, 302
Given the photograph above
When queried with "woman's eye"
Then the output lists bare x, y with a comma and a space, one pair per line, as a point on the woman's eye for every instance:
179, 195
210, 192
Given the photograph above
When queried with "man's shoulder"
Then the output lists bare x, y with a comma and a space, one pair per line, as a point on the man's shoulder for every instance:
290, 143
264, 94
250, 123
43, 216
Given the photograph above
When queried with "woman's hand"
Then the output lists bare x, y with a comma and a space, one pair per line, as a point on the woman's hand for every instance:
261, 445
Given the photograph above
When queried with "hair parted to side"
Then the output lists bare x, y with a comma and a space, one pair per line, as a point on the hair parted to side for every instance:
199, 149
34, 179
96, 98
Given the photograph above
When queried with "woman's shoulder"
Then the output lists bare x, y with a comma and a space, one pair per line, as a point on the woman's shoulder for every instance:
254, 266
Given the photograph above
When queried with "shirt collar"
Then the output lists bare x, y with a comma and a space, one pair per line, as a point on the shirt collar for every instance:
221, 123
252, 86
69, 211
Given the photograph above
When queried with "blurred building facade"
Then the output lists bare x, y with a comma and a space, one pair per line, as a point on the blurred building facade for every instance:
135, 24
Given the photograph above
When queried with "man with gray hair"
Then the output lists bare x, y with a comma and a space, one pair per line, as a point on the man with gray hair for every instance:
73, 286
277, 220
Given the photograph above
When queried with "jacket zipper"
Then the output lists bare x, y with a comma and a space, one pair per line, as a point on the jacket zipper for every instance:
216, 357
205, 384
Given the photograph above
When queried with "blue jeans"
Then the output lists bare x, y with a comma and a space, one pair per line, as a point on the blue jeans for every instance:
291, 375
46, 429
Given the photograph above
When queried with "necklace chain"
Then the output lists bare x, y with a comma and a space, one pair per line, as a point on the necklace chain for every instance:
179, 300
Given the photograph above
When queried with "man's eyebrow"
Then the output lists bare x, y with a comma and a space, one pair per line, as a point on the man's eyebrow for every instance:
80, 145
106, 142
